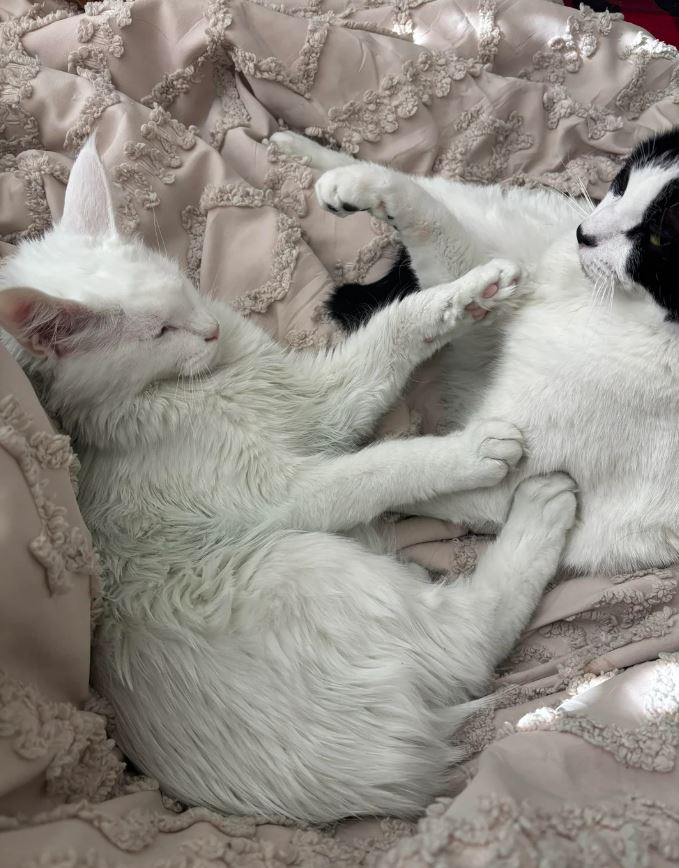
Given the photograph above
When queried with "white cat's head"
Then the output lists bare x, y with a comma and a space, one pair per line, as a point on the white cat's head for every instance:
631, 239
101, 315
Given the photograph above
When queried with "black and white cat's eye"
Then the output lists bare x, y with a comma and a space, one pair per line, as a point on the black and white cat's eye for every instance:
668, 228
164, 330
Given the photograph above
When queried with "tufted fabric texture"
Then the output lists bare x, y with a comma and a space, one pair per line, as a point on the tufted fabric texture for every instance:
576, 762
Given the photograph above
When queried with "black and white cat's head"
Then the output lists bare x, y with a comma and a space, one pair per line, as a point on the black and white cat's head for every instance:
98, 315
631, 239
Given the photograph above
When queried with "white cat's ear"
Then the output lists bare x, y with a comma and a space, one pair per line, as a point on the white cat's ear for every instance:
49, 326
88, 206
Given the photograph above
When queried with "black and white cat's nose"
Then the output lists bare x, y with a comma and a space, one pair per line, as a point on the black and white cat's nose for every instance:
585, 240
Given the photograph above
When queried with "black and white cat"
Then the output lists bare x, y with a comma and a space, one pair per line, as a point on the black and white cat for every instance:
587, 368
259, 659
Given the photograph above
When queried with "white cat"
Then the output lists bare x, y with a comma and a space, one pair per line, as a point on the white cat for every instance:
588, 368
257, 660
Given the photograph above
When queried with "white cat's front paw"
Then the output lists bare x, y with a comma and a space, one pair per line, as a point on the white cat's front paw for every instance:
348, 189
494, 447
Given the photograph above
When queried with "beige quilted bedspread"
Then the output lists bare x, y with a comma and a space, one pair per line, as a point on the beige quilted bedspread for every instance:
577, 763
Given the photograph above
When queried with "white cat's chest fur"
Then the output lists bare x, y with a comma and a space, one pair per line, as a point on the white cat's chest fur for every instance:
593, 385
218, 433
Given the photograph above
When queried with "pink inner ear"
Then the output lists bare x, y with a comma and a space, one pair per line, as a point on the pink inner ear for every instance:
60, 330
49, 326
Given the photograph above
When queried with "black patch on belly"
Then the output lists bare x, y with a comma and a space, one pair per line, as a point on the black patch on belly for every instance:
352, 304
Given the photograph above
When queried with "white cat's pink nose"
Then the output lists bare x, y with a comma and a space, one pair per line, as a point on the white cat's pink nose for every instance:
213, 333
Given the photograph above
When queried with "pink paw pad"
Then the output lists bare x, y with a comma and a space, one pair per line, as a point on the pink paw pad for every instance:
475, 309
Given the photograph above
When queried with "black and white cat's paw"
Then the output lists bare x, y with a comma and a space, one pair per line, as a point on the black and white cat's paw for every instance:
361, 187
492, 448
297, 145
489, 287
469, 299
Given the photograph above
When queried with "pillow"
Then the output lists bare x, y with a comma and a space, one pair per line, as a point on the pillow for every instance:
48, 748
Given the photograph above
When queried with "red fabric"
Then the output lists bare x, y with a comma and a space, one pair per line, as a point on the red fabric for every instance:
659, 17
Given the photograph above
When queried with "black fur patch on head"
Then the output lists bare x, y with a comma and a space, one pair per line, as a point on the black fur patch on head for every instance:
662, 149
654, 259
653, 262
621, 180
352, 304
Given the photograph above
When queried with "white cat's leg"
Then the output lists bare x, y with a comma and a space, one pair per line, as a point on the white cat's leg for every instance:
439, 246
321, 157
483, 510
488, 611
335, 494
363, 377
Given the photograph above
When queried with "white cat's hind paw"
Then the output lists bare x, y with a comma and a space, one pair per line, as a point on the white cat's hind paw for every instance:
546, 503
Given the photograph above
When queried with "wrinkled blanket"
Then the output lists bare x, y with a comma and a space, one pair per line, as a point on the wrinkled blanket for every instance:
576, 762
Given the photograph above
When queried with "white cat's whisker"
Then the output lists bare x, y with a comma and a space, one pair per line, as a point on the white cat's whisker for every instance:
158, 231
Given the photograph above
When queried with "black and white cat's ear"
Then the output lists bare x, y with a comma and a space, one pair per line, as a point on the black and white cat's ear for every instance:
88, 206
49, 326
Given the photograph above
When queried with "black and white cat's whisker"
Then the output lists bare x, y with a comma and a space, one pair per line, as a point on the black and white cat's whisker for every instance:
585, 195
575, 205
603, 288
598, 288
595, 293
610, 290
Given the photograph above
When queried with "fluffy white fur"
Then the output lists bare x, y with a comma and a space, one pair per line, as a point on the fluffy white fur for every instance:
587, 369
258, 657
